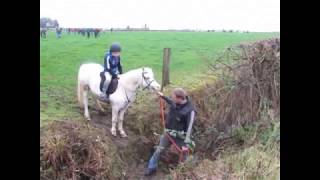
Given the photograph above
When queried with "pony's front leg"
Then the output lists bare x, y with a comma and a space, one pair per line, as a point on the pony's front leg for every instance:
120, 128
85, 103
115, 113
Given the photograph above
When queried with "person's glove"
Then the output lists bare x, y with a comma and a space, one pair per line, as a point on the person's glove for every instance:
187, 140
190, 144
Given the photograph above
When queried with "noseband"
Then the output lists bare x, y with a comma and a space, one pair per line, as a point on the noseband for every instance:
146, 80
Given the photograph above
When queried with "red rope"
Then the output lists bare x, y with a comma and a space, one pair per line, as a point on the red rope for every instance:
167, 135
162, 112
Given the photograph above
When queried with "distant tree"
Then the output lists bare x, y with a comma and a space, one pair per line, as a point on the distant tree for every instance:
55, 23
48, 23
231, 31
44, 21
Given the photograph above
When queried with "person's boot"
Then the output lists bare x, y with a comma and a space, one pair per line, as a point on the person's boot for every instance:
150, 172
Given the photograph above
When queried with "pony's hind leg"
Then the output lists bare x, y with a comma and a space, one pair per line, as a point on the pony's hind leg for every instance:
120, 128
100, 106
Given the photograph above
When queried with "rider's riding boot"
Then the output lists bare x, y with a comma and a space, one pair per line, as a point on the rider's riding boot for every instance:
104, 97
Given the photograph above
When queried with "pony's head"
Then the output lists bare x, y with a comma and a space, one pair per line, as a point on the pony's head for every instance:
148, 81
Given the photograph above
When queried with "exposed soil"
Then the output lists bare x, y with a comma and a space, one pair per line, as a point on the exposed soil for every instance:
140, 147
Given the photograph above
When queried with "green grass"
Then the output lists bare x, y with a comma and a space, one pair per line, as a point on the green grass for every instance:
61, 58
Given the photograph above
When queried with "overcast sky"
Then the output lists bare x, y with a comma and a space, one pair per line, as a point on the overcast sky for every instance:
252, 15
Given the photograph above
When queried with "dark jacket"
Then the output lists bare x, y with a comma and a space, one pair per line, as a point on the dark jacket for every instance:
112, 65
178, 117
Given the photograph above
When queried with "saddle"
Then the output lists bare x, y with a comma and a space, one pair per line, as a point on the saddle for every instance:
110, 86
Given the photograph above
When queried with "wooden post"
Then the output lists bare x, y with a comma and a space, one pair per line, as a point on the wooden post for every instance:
165, 67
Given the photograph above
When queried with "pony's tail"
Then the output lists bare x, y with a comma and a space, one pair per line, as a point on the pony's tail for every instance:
80, 93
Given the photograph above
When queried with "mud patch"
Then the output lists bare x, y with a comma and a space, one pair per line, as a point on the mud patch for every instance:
135, 149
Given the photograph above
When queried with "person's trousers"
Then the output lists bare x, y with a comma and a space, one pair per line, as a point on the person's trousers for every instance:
164, 143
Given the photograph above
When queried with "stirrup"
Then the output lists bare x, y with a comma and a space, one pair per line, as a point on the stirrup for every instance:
104, 97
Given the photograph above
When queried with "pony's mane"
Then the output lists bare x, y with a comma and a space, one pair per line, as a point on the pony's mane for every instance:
138, 69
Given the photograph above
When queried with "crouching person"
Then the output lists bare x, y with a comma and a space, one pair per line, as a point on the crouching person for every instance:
178, 126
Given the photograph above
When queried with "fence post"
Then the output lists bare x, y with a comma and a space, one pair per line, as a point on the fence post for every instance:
165, 67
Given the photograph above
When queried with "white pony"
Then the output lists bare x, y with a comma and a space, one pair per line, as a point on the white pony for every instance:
128, 84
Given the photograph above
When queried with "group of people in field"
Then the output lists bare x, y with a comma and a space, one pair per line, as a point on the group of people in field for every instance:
86, 32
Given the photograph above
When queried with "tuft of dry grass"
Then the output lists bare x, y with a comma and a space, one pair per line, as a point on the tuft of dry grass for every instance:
75, 150
238, 124
247, 91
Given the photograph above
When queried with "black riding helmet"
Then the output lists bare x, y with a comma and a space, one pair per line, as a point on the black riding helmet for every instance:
115, 47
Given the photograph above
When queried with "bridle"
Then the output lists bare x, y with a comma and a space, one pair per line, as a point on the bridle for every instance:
146, 80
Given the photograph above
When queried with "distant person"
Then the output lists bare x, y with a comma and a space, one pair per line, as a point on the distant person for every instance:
79, 31
88, 32
58, 32
96, 32
111, 30
83, 32
43, 32
113, 66
178, 125
75, 31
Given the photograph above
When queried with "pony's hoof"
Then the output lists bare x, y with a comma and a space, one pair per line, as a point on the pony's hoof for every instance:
123, 134
114, 133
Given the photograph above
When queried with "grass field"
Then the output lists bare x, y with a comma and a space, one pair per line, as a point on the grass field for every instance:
60, 60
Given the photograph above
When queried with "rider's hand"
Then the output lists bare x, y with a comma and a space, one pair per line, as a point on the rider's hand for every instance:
115, 77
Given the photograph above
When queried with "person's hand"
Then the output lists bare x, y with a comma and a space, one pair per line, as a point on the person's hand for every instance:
115, 77
159, 93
